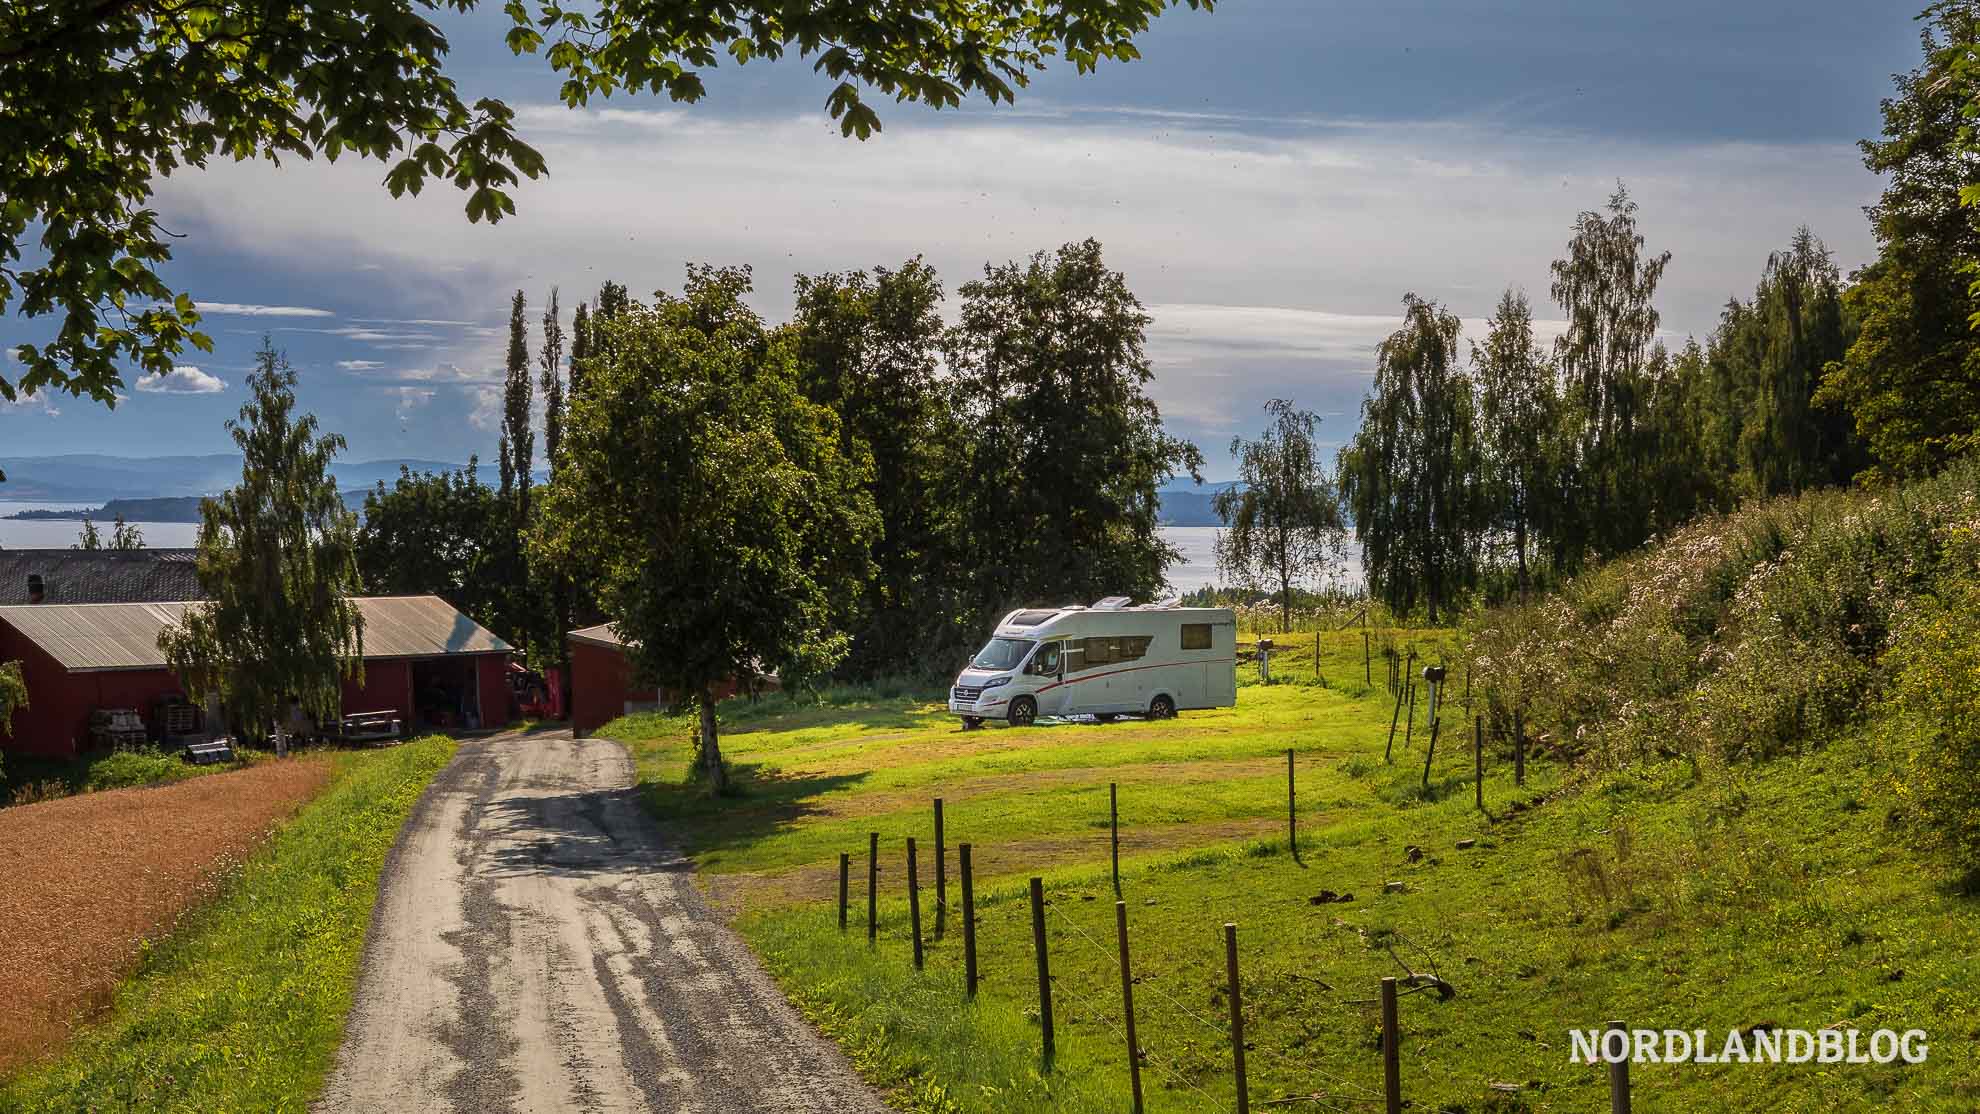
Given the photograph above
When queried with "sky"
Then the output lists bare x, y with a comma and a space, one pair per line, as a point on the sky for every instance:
1272, 178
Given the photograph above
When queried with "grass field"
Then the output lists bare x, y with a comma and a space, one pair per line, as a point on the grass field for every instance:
242, 1007
1767, 894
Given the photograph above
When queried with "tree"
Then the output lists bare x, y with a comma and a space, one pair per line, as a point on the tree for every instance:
1606, 287
1911, 377
1049, 372
552, 360
443, 534
1283, 519
277, 565
101, 98
517, 443
869, 346
580, 348
1410, 476
1519, 412
727, 524
13, 694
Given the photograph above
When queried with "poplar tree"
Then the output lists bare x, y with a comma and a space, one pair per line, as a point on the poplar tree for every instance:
552, 361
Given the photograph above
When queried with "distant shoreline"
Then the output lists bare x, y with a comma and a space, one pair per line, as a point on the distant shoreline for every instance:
172, 509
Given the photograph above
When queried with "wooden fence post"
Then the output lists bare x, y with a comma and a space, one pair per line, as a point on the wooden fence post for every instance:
1237, 1017
1292, 808
1478, 759
1389, 750
1114, 831
872, 886
1519, 749
914, 903
1409, 728
845, 872
1127, 1003
941, 872
1044, 966
969, 921
1619, 1077
1391, 1052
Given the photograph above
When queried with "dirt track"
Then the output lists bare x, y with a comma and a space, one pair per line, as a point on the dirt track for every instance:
538, 946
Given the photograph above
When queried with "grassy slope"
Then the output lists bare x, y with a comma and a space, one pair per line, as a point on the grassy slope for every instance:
242, 1008
1762, 894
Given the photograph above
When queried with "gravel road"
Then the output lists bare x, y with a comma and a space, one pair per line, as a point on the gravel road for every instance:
539, 946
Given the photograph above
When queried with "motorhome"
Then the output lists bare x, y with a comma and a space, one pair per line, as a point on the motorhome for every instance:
1106, 660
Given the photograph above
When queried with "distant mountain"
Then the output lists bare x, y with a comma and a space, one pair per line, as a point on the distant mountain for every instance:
1190, 505
95, 478
170, 508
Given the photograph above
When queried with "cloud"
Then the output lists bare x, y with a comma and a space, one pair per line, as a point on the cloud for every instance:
182, 380
240, 309
359, 365
486, 411
409, 399
30, 402
1273, 252
409, 321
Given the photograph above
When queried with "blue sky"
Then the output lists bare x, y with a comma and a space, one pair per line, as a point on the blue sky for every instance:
1272, 177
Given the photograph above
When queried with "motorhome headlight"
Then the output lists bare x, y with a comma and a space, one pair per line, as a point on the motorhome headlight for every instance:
995, 681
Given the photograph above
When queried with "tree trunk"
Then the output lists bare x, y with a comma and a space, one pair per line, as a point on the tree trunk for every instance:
711, 751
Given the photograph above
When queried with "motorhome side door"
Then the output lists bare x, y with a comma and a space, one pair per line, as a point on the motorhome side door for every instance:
1043, 675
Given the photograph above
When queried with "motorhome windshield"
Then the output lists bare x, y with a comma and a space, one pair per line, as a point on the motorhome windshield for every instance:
1003, 653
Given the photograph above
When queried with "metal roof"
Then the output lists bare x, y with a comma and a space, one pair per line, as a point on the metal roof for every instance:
600, 635
97, 637
101, 575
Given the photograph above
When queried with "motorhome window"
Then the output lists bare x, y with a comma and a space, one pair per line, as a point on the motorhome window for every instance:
1133, 649
1196, 636
1045, 663
1031, 618
1100, 651
1000, 654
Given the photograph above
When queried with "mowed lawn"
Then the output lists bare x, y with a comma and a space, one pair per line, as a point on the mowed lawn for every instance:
1660, 896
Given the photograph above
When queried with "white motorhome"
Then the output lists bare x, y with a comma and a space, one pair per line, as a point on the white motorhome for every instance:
1106, 660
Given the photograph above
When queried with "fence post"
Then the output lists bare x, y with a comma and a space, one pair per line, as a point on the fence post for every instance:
872, 886
1618, 1077
1292, 808
969, 921
1391, 1052
1127, 1003
1409, 728
1114, 831
1237, 1017
1044, 966
1478, 759
845, 872
1389, 750
1519, 749
1435, 723
941, 872
914, 903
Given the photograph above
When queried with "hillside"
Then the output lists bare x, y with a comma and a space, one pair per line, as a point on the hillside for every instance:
1741, 813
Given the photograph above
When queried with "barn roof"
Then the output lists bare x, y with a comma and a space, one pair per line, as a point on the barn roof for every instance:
100, 575
98, 637
600, 635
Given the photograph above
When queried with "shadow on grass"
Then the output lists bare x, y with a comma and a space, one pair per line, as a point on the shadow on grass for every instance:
760, 801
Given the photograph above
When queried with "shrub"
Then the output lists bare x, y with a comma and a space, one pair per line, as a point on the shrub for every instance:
124, 768
1936, 697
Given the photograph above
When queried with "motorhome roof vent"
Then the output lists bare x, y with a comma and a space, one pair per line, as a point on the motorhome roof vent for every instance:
1112, 603
1031, 618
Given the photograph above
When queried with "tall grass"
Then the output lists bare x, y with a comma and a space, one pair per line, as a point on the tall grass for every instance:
1737, 637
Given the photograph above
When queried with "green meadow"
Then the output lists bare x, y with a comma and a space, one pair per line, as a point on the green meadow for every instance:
1657, 894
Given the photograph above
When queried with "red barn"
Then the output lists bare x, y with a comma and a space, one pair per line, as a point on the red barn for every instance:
422, 659
601, 681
